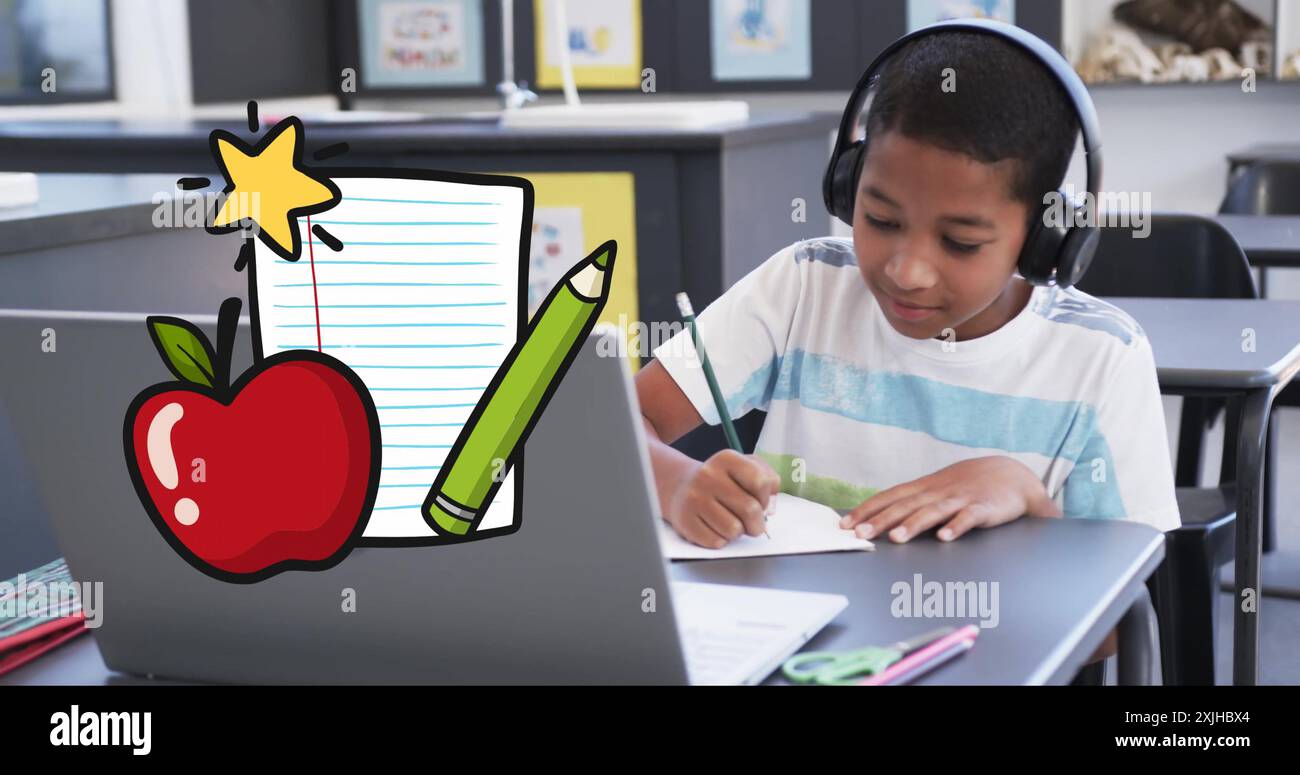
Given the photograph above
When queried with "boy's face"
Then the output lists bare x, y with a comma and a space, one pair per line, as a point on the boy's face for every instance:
937, 236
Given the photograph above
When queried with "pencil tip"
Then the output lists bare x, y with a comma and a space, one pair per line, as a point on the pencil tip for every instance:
603, 256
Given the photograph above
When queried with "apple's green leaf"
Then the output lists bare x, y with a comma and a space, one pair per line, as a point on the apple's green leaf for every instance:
184, 349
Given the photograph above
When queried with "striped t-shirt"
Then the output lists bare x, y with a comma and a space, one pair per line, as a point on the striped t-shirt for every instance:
1067, 387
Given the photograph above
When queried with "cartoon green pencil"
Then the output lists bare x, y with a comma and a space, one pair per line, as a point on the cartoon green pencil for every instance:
516, 396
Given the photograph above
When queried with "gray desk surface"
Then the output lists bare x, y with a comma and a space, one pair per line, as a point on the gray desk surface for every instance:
1269, 240
1062, 585
80, 208
433, 135
1199, 343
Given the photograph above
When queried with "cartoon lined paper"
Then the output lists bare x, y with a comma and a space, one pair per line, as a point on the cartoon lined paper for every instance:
423, 302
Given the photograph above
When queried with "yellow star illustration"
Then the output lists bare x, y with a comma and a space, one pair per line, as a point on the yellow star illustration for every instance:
268, 185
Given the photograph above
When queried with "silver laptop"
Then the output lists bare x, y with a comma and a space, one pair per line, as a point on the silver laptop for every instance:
563, 600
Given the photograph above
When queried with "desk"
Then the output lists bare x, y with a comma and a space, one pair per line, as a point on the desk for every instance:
711, 204
1200, 349
1268, 241
1052, 611
116, 243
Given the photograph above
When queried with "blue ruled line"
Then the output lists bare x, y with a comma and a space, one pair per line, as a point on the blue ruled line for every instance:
414, 201
385, 346
410, 244
388, 306
383, 285
390, 263
409, 223
391, 325
426, 406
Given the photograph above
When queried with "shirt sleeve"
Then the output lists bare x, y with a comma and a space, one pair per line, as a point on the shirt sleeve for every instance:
745, 333
1124, 470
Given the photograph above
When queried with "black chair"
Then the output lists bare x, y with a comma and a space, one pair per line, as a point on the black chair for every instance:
1185, 256
1264, 188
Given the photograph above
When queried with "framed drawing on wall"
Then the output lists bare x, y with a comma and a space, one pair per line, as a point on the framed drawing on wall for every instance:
756, 40
421, 43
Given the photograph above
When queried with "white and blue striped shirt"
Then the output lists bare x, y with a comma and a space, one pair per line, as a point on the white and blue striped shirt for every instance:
1067, 387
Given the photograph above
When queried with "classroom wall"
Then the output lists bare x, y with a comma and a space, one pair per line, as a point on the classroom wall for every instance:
1172, 140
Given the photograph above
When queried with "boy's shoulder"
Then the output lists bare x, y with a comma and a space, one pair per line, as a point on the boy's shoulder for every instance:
1071, 312
1092, 339
831, 251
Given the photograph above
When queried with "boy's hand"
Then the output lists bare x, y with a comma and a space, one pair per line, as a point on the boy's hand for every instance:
725, 497
982, 492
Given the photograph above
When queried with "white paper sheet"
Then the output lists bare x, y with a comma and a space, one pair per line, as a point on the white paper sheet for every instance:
798, 526
422, 303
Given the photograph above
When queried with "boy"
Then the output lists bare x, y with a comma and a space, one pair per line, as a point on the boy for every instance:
911, 378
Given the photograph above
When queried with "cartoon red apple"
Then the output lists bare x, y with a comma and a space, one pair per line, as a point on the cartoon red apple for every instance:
277, 471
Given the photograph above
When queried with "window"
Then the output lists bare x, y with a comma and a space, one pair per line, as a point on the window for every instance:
54, 51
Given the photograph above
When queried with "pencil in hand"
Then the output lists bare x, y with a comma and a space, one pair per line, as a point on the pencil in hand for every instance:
724, 416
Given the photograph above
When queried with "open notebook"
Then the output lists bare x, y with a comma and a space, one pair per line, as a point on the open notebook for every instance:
797, 526
423, 302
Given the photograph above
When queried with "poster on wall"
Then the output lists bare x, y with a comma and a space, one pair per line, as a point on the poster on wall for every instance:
604, 39
761, 40
556, 239
415, 43
570, 210
923, 12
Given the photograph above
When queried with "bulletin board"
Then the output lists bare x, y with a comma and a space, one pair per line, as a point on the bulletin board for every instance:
605, 39
573, 213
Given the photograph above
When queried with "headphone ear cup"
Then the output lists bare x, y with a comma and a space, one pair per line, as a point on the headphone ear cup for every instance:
1042, 249
841, 180
1056, 249
1076, 254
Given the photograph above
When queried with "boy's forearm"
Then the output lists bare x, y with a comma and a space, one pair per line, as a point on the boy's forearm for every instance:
670, 467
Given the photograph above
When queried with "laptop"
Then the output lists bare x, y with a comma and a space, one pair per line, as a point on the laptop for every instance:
562, 600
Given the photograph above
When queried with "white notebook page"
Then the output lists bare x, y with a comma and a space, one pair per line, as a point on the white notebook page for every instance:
797, 526
422, 303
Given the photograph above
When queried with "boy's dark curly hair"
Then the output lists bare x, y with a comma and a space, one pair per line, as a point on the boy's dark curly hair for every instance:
1006, 105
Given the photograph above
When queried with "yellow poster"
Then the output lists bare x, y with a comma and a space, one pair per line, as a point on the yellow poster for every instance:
573, 213
604, 38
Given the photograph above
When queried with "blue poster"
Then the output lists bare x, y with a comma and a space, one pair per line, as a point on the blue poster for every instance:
414, 43
923, 12
762, 40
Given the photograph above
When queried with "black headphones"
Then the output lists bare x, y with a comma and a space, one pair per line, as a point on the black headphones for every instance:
1057, 254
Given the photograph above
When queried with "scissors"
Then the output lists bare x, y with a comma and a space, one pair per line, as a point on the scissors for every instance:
845, 668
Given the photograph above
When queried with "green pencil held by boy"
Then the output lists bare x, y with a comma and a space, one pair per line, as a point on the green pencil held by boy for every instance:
516, 396
724, 415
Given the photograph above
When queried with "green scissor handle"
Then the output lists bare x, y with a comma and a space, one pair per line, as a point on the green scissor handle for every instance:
845, 668
839, 668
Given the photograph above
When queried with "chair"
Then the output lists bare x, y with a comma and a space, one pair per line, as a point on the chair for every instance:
1263, 188
1185, 256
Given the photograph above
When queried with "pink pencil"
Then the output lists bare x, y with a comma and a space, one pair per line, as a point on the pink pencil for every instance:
925, 659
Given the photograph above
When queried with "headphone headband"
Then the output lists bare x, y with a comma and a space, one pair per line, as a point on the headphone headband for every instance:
1051, 253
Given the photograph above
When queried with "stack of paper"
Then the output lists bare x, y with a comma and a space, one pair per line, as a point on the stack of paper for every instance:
37, 614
